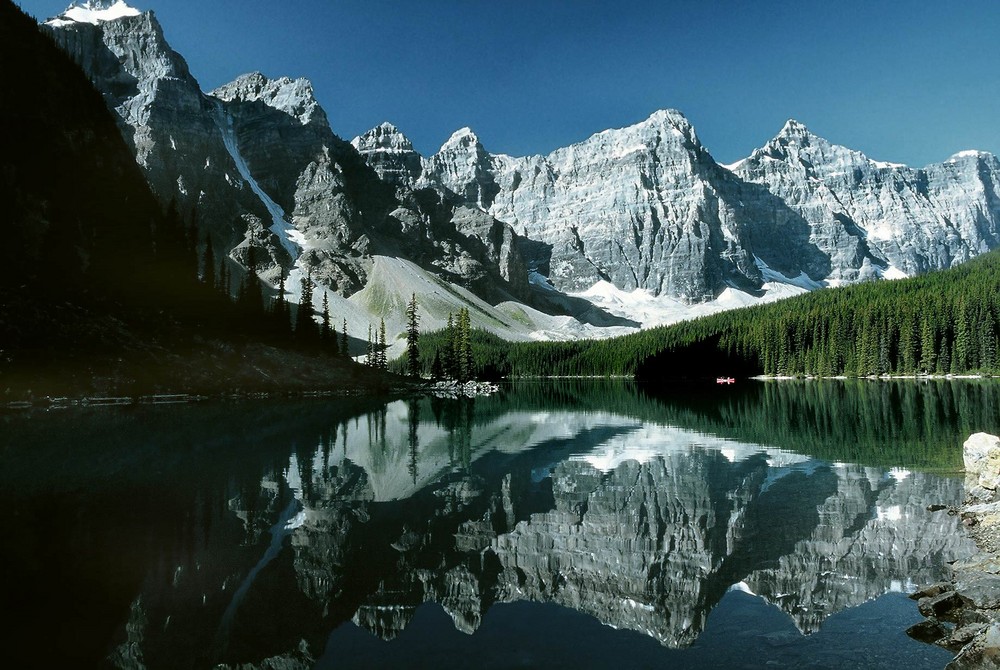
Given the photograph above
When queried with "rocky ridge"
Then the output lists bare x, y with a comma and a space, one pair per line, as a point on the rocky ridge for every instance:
256, 163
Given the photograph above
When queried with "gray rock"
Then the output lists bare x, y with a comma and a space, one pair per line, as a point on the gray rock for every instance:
940, 606
928, 631
981, 454
980, 589
983, 653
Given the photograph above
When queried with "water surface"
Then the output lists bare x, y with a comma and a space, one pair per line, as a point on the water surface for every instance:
585, 524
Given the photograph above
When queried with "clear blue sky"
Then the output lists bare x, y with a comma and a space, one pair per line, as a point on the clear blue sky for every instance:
911, 82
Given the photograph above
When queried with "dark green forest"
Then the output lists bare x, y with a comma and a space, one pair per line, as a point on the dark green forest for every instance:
939, 323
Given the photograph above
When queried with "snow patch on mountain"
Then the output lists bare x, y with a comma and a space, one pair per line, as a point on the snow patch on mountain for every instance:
893, 272
802, 280
279, 224
660, 310
93, 12
968, 153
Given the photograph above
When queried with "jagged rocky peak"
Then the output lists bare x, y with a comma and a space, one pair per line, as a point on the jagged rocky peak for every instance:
664, 125
463, 166
795, 141
794, 129
673, 120
294, 97
385, 138
390, 153
793, 138
93, 12
462, 140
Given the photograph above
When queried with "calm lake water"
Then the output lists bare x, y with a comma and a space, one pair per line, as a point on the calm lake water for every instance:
583, 524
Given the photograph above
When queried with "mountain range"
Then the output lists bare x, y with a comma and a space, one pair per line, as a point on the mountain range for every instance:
632, 227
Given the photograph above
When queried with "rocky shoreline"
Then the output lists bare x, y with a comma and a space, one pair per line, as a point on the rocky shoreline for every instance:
456, 389
963, 614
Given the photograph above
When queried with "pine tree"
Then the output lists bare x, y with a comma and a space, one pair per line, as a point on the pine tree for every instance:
251, 296
281, 318
325, 328
344, 342
412, 336
464, 348
451, 349
305, 327
383, 364
988, 342
222, 279
437, 368
928, 346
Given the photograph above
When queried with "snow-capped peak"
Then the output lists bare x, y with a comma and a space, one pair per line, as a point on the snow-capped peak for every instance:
670, 116
93, 12
968, 153
793, 128
463, 138
385, 138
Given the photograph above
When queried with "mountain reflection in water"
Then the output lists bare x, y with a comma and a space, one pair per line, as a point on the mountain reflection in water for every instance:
272, 530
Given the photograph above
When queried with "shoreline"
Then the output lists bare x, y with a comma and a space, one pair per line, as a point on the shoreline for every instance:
962, 614
876, 378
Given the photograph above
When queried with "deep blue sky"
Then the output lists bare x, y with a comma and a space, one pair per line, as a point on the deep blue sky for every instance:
911, 82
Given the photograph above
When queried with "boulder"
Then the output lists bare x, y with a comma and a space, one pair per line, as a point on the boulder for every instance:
983, 652
981, 453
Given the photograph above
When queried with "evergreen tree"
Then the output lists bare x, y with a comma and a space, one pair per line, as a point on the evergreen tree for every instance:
325, 328
928, 346
281, 312
451, 349
344, 342
437, 368
412, 335
222, 283
383, 364
465, 366
305, 327
988, 342
251, 296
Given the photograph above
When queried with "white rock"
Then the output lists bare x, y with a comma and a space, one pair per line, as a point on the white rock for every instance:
981, 453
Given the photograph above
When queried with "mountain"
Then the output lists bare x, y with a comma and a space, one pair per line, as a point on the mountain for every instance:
874, 219
632, 226
104, 296
256, 163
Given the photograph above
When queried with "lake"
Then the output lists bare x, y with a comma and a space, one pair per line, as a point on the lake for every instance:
557, 524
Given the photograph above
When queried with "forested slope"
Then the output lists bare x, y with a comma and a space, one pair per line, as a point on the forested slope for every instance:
941, 322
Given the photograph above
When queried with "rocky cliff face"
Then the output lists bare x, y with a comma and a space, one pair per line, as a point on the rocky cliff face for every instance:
642, 207
162, 113
873, 219
647, 207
